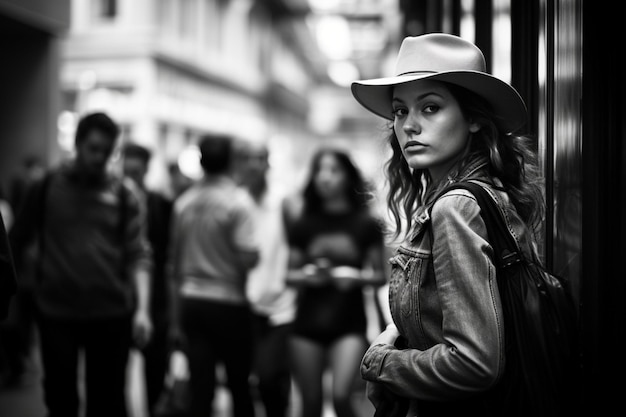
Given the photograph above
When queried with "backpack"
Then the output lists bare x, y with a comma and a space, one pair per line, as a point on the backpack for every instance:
540, 326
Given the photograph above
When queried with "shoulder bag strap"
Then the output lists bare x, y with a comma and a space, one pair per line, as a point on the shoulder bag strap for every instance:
500, 238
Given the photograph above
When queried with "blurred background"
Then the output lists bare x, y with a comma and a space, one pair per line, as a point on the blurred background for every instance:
170, 70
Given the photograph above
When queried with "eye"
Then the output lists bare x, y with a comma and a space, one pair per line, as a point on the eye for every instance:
399, 112
430, 108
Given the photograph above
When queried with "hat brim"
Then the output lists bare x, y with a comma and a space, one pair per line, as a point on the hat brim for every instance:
506, 103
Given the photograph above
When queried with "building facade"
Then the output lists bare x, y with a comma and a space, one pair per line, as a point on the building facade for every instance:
171, 70
30, 33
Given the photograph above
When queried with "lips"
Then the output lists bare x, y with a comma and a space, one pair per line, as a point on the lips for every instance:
413, 143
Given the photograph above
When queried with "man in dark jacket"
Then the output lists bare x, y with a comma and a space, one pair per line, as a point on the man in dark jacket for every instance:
135, 165
93, 280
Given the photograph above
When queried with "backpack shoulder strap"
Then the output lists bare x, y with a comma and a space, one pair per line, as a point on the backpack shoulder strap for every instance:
500, 238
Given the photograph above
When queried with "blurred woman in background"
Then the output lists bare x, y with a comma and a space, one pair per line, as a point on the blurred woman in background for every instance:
336, 248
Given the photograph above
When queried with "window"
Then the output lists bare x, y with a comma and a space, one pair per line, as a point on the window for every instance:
104, 10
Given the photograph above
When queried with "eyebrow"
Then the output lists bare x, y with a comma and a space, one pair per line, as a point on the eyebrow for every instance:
421, 96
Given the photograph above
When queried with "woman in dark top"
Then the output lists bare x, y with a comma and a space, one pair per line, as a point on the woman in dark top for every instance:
336, 248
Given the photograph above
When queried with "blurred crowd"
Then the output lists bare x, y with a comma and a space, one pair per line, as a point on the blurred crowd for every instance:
264, 291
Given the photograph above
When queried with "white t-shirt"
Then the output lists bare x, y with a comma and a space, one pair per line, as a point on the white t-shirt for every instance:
266, 289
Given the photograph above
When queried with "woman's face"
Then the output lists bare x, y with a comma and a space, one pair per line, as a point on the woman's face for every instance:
330, 178
430, 126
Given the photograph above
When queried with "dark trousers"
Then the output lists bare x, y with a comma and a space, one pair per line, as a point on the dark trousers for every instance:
155, 362
105, 344
271, 365
17, 331
218, 332
17, 336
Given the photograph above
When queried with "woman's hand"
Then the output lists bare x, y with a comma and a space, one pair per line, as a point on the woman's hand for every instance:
386, 402
347, 277
310, 274
388, 336
323, 267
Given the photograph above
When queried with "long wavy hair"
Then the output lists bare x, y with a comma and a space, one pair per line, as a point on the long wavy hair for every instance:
511, 158
358, 190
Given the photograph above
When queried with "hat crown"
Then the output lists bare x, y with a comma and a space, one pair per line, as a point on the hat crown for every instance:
438, 52
449, 59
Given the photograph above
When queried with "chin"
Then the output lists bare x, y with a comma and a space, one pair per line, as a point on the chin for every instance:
413, 164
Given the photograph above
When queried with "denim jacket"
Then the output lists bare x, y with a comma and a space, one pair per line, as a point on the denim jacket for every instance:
444, 301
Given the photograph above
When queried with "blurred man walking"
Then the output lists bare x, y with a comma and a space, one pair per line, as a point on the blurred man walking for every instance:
135, 165
212, 249
273, 303
93, 280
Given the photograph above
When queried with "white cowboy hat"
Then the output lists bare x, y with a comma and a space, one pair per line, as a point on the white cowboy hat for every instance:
447, 58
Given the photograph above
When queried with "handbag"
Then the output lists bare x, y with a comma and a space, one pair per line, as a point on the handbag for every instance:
540, 324
175, 398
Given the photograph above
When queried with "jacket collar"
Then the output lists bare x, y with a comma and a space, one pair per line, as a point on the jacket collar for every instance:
475, 169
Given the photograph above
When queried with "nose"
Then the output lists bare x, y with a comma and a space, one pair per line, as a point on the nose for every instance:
411, 124
323, 178
101, 157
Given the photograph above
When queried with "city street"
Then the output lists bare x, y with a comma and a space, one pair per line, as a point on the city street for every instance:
26, 399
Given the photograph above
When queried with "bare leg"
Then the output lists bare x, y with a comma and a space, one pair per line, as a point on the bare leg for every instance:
308, 361
345, 360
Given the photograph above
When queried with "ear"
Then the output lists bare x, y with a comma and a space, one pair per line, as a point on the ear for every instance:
474, 127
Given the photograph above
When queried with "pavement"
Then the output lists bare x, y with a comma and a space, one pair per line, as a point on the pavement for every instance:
26, 398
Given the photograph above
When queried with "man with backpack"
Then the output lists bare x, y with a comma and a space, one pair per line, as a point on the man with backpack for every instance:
93, 274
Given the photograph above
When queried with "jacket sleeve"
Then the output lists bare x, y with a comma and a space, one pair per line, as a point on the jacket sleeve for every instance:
470, 356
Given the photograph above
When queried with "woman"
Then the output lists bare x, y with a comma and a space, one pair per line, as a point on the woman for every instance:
336, 248
451, 122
